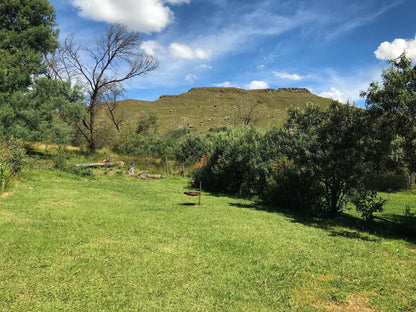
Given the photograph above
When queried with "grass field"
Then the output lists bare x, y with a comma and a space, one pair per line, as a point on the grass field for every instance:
121, 244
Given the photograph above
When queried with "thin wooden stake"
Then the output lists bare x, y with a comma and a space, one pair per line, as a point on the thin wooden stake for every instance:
200, 191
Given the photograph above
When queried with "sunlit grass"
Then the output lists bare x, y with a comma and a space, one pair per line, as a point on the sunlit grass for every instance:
123, 244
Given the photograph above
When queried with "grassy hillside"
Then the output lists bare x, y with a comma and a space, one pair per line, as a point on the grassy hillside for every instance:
205, 108
113, 243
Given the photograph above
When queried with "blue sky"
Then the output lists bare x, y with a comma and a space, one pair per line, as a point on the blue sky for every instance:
333, 48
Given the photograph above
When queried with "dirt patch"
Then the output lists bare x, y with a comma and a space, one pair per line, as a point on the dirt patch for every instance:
9, 217
355, 304
4, 195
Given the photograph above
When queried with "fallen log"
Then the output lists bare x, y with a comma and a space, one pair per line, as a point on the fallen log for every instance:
103, 164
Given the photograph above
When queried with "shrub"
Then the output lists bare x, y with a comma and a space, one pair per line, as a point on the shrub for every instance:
290, 187
238, 162
12, 159
366, 202
60, 159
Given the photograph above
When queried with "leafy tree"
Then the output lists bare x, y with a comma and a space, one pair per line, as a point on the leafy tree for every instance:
392, 105
32, 106
100, 69
26, 33
332, 152
45, 113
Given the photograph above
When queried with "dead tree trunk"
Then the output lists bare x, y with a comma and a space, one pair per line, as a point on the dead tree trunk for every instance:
103, 164
130, 171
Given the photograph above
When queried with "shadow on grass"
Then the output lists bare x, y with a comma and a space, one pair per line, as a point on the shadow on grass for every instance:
388, 226
188, 204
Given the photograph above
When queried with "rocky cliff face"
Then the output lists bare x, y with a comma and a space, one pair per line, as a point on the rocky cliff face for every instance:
295, 90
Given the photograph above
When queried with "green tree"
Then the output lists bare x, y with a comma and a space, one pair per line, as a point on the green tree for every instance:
392, 105
27, 32
31, 106
332, 152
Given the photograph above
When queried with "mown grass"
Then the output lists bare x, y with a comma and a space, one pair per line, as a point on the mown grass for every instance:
122, 244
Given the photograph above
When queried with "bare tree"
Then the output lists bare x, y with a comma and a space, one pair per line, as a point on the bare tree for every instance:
247, 114
103, 69
109, 98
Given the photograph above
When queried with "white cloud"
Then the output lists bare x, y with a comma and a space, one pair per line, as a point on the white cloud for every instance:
191, 78
151, 47
182, 51
258, 85
225, 84
287, 76
343, 87
260, 66
140, 15
334, 94
205, 66
391, 50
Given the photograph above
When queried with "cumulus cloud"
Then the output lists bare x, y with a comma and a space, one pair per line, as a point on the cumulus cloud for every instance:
391, 50
334, 94
191, 78
258, 85
182, 51
286, 76
151, 47
225, 84
140, 15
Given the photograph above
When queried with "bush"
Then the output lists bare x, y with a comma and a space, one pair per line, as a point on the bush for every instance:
12, 159
238, 162
290, 187
60, 159
366, 203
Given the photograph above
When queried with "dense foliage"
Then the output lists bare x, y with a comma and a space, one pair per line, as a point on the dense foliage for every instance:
12, 158
392, 105
317, 163
330, 149
238, 162
33, 107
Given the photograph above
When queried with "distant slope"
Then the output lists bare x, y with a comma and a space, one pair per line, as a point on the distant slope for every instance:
205, 108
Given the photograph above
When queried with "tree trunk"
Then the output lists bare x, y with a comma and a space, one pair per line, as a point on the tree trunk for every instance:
103, 164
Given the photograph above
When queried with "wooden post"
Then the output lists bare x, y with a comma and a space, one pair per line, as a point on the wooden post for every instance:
200, 191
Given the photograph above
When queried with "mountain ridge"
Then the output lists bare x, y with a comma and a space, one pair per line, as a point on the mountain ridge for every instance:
208, 108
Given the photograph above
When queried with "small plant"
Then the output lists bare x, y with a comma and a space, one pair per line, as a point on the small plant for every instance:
407, 212
12, 158
4, 176
60, 159
366, 203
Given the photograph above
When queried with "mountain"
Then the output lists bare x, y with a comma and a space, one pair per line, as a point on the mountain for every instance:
208, 108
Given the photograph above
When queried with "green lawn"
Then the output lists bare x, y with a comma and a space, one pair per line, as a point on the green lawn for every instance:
121, 244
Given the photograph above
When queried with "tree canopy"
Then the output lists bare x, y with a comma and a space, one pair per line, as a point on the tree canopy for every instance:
392, 105
27, 32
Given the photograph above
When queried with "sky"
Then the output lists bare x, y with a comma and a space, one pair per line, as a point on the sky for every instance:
333, 48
